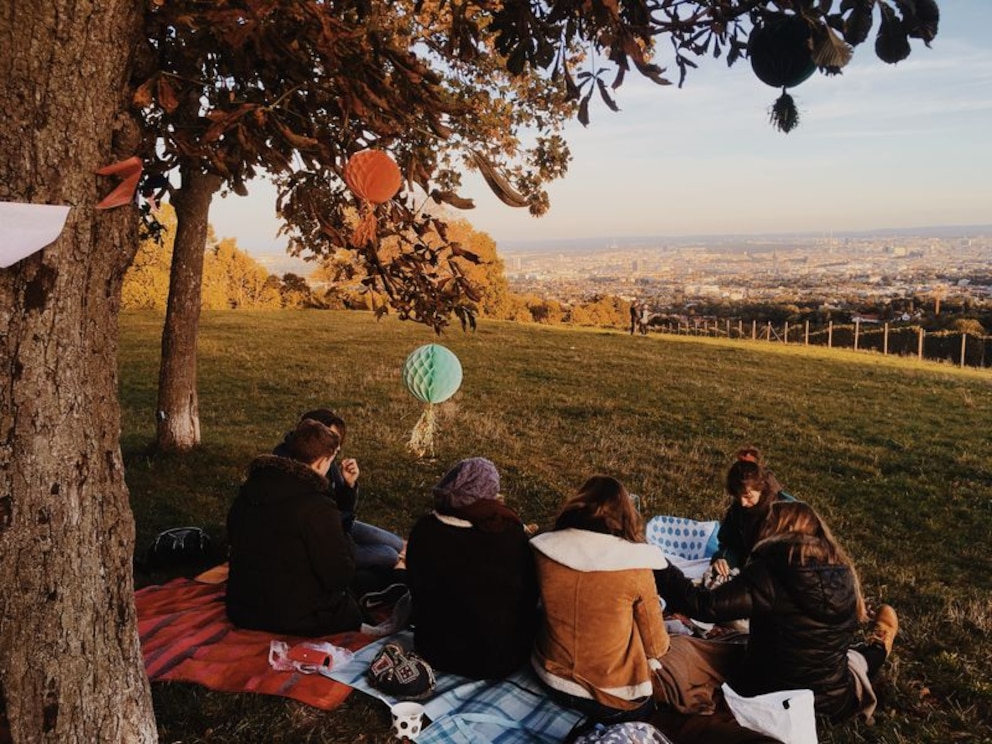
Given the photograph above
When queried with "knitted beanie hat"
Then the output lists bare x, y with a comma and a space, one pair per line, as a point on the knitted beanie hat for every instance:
467, 482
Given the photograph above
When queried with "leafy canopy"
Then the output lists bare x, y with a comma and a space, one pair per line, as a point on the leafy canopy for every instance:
292, 88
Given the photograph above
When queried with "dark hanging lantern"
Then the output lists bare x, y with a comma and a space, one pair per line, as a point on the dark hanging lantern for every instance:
780, 50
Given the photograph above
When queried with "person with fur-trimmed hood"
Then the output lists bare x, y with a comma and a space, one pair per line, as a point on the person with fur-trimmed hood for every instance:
291, 562
603, 631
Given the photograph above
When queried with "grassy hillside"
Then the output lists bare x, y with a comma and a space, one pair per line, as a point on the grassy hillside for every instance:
895, 454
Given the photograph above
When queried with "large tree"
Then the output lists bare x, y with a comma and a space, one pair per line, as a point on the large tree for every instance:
294, 87
70, 663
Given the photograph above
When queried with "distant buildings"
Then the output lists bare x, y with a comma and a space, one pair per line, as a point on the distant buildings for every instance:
873, 269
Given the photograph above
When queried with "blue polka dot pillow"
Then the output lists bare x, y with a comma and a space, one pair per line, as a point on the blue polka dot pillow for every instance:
685, 538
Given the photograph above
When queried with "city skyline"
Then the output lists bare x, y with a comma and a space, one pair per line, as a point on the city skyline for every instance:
881, 146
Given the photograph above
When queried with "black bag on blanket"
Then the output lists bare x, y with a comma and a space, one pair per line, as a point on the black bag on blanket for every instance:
401, 674
180, 547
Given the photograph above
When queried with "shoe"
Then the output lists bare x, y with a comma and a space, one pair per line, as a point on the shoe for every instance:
384, 597
884, 627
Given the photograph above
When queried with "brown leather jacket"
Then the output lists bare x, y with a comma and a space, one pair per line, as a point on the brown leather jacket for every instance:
602, 630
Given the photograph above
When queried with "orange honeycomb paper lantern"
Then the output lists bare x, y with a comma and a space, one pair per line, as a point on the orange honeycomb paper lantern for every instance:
373, 175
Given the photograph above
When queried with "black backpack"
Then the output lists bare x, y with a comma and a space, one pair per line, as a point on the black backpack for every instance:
180, 547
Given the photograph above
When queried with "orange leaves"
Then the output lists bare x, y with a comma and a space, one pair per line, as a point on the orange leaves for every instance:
497, 182
142, 97
156, 89
298, 141
166, 95
222, 120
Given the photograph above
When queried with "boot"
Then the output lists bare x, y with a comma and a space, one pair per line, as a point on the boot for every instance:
884, 628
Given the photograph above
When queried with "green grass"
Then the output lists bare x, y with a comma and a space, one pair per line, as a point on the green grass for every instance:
896, 454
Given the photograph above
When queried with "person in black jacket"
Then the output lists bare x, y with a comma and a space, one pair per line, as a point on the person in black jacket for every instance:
471, 574
291, 562
802, 596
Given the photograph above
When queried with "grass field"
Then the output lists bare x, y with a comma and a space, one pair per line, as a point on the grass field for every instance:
897, 455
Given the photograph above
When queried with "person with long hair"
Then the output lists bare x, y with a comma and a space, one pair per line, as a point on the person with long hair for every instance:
752, 489
602, 631
801, 593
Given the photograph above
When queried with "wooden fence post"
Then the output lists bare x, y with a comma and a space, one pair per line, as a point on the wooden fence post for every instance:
964, 339
857, 332
806, 335
728, 328
754, 330
919, 347
830, 335
740, 328
885, 339
785, 333
768, 332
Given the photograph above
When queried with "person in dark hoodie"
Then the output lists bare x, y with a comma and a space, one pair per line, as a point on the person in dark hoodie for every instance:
801, 593
291, 563
375, 548
471, 575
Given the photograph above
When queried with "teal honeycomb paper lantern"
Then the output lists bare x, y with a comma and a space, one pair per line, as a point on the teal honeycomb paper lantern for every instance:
432, 373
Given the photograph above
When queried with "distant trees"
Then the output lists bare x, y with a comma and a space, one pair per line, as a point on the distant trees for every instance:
604, 310
231, 278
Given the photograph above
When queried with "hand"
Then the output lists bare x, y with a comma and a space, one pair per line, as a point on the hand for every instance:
349, 471
721, 567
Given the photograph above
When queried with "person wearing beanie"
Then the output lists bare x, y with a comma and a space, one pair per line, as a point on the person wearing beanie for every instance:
471, 575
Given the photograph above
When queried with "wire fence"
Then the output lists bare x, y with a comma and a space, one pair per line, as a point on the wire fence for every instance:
962, 349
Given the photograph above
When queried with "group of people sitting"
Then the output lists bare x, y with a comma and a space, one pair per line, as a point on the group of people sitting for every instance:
583, 601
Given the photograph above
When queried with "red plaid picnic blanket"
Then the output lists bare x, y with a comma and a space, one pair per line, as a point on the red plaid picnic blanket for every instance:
186, 637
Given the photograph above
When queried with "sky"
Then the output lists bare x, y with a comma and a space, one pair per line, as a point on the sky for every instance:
880, 146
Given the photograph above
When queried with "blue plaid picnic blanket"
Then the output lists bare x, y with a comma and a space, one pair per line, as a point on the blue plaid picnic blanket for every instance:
515, 710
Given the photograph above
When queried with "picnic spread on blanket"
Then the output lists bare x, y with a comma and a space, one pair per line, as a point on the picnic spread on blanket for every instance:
186, 636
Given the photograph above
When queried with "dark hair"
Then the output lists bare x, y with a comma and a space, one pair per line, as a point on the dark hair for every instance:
311, 440
748, 473
603, 500
793, 522
327, 418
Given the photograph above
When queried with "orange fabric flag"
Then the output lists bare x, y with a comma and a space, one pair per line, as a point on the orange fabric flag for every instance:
130, 171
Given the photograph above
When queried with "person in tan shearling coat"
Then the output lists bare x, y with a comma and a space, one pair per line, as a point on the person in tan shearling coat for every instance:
602, 632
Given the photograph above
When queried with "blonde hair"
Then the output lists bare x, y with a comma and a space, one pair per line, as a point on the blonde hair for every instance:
604, 499
788, 521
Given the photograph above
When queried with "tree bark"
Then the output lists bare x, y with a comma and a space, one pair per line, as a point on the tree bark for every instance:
178, 413
70, 663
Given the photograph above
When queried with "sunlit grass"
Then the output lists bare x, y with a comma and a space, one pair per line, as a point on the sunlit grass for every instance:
894, 452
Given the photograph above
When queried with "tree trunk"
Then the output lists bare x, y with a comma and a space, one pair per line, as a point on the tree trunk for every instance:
178, 411
70, 663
